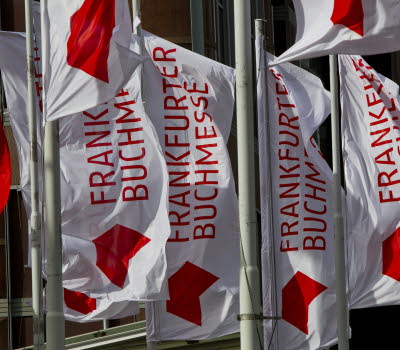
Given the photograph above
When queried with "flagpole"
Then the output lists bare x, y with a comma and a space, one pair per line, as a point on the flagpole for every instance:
135, 9
138, 31
151, 346
260, 30
197, 26
250, 298
35, 218
55, 323
340, 263
8, 272
55, 295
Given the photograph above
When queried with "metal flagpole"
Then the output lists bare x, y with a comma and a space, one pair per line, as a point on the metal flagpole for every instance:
340, 264
135, 9
138, 30
151, 346
35, 219
8, 272
55, 295
260, 26
197, 25
260, 9
55, 323
250, 298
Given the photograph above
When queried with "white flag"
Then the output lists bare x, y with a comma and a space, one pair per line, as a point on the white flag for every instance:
12, 65
114, 186
86, 56
371, 135
13, 69
78, 307
344, 26
190, 100
297, 232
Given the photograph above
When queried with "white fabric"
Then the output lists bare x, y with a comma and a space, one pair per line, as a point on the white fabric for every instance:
12, 66
70, 90
104, 310
142, 181
13, 69
297, 174
177, 121
124, 132
370, 128
317, 35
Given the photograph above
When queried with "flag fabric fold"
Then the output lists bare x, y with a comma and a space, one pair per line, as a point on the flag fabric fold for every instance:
360, 27
13, 68
114, 186
370, 129
78, 307
12, 65
190, 100
86, 54
296, 211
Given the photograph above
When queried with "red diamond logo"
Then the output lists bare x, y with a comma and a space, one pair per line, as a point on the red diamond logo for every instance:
88, 45
114, 250
297, 296
391, 255
349, 13
185, 287
79, 302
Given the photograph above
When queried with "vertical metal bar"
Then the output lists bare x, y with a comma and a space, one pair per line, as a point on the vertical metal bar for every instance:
55, 323
197, 26
106, 324
228, 33
151, 346
7, 234
8, 273
340, 265
55, 295
268, 221
35, 219
250, 298
260, 9
271, 36
136, 12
